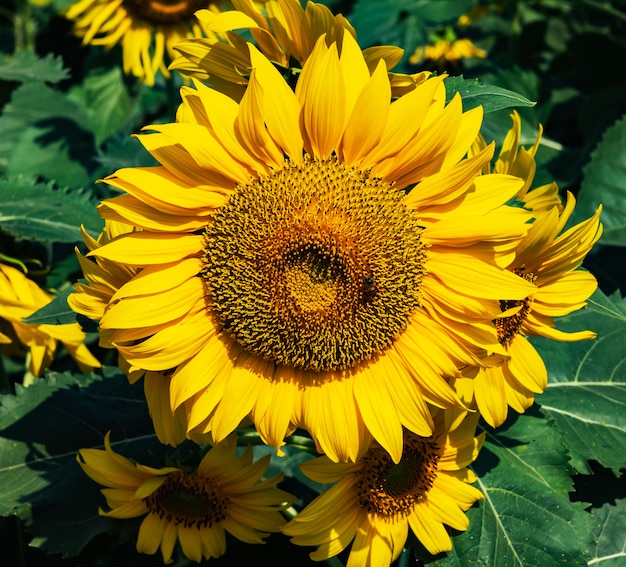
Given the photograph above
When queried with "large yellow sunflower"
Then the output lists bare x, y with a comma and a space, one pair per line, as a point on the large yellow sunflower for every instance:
321, 259
20, 297
147, 29
283, 31
374, 502
194, 508
550, 258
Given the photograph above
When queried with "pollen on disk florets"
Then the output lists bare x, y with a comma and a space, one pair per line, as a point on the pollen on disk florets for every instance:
164, 11
316, 265
387, 488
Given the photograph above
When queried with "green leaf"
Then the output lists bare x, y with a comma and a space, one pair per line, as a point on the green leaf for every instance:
604, 182
586, 393
526, 517
40, 211
57, 312
490, 97
106, 102
45, 133
610, 550
405, 23
41, 429
25, 66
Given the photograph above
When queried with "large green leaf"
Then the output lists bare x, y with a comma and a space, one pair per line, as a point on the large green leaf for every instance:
610, 550
526, 517
604, 182
45, 133
25, 66
41, 429
490, 97
42, 212
106, 101
586, 393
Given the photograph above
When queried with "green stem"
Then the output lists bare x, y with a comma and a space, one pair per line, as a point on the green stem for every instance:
23, 26
252, 437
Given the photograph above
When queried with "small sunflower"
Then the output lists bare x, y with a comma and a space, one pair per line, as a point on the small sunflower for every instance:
283, 31
549, 258
147, 29
20, 297
291, 253
193, 507
374, 502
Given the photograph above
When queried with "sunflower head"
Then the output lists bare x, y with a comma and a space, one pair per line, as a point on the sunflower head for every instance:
194, 506
375, 501
310, 288
147, 30
288, 254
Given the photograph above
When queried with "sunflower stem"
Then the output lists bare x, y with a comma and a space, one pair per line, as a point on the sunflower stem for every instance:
334, 562
403, 561
250, 436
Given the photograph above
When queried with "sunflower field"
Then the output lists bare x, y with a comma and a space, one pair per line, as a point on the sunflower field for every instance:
312, 283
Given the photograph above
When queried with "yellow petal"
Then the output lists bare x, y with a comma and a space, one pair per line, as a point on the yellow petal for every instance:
144, 248
281, 109
379, 412
321, 93
490, 395
361, 135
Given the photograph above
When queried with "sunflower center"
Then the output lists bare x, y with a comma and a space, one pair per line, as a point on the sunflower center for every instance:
189, 500
164, 11
317, 265
387, 488
508, 327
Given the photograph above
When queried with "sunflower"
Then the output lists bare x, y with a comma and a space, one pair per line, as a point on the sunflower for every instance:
196, 508
283, 31
374, 502
549, 258
147, 29
20, 297
295, 254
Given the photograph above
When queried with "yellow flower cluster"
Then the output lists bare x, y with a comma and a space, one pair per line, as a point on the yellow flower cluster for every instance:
20, 297
328, 250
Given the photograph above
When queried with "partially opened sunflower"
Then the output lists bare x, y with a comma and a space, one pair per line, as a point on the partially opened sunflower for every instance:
373, 503
323, 259
283, 31
146, 29
550, 257
20, 297
194, 508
